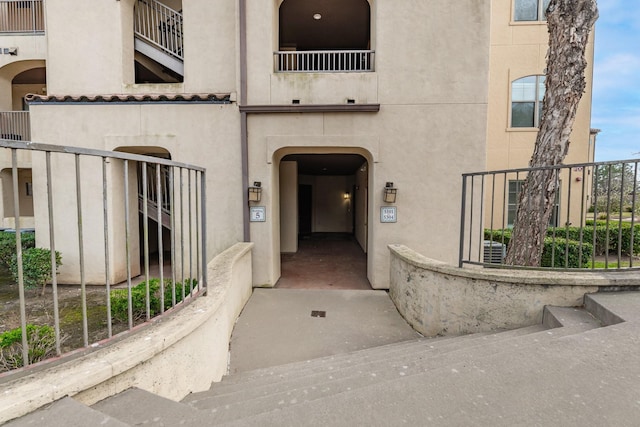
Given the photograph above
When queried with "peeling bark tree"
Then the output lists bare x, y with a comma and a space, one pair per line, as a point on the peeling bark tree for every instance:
569, 23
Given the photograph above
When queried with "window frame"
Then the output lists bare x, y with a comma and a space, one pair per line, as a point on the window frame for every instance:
537, 101
540, 12
512, 207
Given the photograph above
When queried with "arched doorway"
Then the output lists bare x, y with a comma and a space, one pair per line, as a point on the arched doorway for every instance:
158, 206
323, 221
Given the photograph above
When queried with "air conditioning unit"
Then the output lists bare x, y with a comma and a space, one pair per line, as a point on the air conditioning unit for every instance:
494, 252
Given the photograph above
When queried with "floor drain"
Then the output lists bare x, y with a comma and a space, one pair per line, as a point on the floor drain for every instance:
318, 313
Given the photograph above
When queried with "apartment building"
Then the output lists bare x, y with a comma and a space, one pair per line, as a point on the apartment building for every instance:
351, 116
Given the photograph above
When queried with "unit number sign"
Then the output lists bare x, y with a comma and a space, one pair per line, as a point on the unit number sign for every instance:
258, 214
388, 214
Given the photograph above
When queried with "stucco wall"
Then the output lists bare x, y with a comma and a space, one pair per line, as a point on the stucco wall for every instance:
439, 299
431, 126
183, 353
209, 144
519, 49
289, 207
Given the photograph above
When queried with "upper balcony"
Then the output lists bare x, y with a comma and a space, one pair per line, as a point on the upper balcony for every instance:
21, 16
15, 125
325, 61
325, 53
323, 37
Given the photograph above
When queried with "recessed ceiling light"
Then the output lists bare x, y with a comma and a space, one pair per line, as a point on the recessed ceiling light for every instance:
317, 16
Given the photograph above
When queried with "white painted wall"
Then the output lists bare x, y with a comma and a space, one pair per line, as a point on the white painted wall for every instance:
288, 207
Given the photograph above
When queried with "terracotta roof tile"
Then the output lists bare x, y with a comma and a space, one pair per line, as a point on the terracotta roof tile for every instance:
208, 98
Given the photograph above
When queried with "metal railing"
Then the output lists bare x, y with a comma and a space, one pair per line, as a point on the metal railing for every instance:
594, 225
158, 193
87, 201
21, 16
324, 61
160, 26
15, 125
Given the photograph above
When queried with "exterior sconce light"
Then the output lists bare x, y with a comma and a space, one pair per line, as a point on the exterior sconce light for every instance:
390, 193
255, 192
346, 195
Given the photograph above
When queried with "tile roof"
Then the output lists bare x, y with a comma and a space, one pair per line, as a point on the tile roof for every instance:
203, 98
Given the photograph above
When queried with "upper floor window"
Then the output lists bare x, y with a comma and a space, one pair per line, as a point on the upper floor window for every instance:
530, 10
527, 94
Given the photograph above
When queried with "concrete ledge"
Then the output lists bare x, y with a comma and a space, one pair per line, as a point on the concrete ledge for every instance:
179, 353
439, 299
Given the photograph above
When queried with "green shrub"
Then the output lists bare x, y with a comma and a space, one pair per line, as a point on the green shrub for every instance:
36, 267
603, 246
555, 252
120, 307
554, 248
500, 236
41, 341
8, 245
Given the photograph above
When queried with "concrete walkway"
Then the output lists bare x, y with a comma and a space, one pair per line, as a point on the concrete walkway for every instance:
280, 326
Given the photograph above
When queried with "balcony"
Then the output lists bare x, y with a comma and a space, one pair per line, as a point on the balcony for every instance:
15, 125
324, 61
21, 16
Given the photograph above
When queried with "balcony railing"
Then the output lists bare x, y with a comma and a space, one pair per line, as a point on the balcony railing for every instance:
15, 125
595, 222
160, 26
21, 16
324, 61
103, 238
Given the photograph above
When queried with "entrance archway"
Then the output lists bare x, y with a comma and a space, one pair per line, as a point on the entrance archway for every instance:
323, 221
158, 199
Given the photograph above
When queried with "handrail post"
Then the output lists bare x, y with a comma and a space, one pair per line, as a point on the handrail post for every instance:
463, 206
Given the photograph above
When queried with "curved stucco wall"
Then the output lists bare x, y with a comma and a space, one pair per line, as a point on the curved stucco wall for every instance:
436, 298
177, 354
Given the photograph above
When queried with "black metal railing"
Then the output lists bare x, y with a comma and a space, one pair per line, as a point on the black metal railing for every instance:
594, 225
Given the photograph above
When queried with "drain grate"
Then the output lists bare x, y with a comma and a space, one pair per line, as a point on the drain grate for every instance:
318, 313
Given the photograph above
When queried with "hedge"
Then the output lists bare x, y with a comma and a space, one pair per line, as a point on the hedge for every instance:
554, 248
601, 246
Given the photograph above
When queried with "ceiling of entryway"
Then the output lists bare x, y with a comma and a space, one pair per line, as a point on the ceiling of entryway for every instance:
327, 164
343, 24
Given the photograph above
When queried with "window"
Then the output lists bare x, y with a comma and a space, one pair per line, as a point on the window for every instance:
530, 10
515, 187
526, 101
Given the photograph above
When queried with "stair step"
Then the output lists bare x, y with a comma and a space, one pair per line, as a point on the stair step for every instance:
326, 365
329, 364
139, 407
529, 385
229, 408
613, 307
66, 412
555, 317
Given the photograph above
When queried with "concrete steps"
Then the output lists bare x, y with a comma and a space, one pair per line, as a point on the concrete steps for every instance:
343, 389
253, 399
66, 412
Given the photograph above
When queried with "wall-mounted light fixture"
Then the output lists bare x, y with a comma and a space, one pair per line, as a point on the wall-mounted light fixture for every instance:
255, 192
346, 195
390, 193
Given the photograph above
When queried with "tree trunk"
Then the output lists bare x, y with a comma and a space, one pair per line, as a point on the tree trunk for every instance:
569, 23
